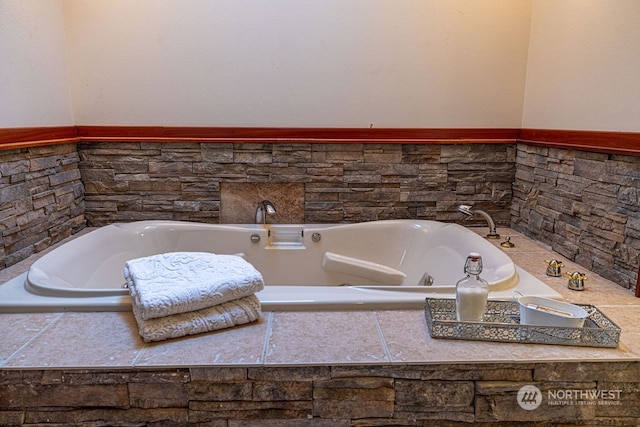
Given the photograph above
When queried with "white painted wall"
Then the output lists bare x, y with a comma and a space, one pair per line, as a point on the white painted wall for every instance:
330, 63
333, 63
584, 66
34, 89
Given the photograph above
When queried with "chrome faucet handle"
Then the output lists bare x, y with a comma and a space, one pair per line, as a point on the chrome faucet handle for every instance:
554, 267
576, 281
507, 243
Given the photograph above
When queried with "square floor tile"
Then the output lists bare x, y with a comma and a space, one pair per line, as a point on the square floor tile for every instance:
84, 340
408, 340
325, 338
239, 345
19, 328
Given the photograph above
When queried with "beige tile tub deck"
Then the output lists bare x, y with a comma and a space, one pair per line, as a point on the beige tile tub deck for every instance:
111, 340
318, 338
241, 345
408, 341
81, 340
20, 328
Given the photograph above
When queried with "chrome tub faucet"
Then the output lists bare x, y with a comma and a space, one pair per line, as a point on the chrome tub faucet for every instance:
264, 208
469, 211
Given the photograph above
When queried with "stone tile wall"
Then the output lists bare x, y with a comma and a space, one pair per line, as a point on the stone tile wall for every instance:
41, 199
342, 182
585, 205
419, 395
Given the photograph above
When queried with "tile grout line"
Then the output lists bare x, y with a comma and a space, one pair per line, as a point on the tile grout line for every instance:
33, 338
382, 339
136, 359
267, 338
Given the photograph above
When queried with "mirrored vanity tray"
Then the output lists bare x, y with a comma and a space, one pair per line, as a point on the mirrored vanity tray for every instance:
501, 322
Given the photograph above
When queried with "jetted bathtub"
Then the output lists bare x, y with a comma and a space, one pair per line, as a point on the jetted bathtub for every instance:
378, 264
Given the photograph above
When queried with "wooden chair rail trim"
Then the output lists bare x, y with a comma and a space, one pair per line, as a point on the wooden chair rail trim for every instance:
600, 141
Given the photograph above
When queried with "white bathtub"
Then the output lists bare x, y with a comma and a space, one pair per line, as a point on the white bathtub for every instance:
379, 264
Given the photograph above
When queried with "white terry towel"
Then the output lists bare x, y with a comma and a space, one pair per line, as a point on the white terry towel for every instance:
179, 282
228, 314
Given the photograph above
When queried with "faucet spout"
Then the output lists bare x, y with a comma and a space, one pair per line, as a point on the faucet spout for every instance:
264, 208
469, 211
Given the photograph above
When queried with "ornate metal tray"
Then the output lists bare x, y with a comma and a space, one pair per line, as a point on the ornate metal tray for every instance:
501, 322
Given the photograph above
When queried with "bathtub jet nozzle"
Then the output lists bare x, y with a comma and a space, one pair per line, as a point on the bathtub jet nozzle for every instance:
469, 211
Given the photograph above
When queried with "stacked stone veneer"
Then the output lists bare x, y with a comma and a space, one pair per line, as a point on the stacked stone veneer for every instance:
585, 205
420, 395
343, 182
41, 199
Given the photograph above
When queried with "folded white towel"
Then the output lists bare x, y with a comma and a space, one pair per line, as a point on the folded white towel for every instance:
179, 282
228, 314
